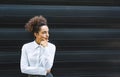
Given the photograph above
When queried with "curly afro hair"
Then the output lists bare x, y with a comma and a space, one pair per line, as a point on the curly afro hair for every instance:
35, 23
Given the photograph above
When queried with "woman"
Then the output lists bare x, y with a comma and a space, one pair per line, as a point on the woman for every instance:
37, 57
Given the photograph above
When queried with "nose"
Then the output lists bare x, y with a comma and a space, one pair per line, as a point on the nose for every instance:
47, 34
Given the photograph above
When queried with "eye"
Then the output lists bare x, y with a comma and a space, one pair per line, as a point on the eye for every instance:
44, 32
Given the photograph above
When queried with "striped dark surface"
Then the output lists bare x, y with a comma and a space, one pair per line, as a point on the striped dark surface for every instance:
87, 37
64, 2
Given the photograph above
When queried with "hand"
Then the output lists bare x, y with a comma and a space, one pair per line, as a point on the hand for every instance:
48, 71
44, 43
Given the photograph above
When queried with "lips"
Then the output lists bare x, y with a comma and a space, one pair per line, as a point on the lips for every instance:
46, 38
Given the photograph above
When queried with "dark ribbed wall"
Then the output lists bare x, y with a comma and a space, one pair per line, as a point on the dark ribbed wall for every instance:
65, 2
85, 32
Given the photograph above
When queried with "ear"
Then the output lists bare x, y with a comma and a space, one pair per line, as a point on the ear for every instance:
35, 34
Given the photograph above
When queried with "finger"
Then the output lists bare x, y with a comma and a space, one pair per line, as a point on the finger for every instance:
43, 39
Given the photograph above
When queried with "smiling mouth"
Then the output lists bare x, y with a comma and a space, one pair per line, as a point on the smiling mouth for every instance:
46, 38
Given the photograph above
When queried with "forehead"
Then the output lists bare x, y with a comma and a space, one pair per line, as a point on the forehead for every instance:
44, 28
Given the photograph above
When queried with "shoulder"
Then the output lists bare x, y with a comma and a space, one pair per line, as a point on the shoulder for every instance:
52, 48
27, 45
51, 45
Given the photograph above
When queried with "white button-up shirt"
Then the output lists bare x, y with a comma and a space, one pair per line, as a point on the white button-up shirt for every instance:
36, 59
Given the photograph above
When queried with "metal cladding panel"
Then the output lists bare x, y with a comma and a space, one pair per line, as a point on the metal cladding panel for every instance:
87, 38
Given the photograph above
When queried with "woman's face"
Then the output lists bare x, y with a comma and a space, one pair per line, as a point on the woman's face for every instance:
43, 34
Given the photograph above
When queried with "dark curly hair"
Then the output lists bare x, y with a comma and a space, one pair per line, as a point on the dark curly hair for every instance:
34, 24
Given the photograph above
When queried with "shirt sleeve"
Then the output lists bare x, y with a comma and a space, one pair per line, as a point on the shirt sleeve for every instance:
49, 56
25, 68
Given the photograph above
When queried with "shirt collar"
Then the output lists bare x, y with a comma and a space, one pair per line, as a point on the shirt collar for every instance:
35, 44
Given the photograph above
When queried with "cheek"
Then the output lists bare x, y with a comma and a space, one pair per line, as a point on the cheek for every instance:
39, 36
42, 36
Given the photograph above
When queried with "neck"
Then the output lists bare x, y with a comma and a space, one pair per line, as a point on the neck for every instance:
37, 41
